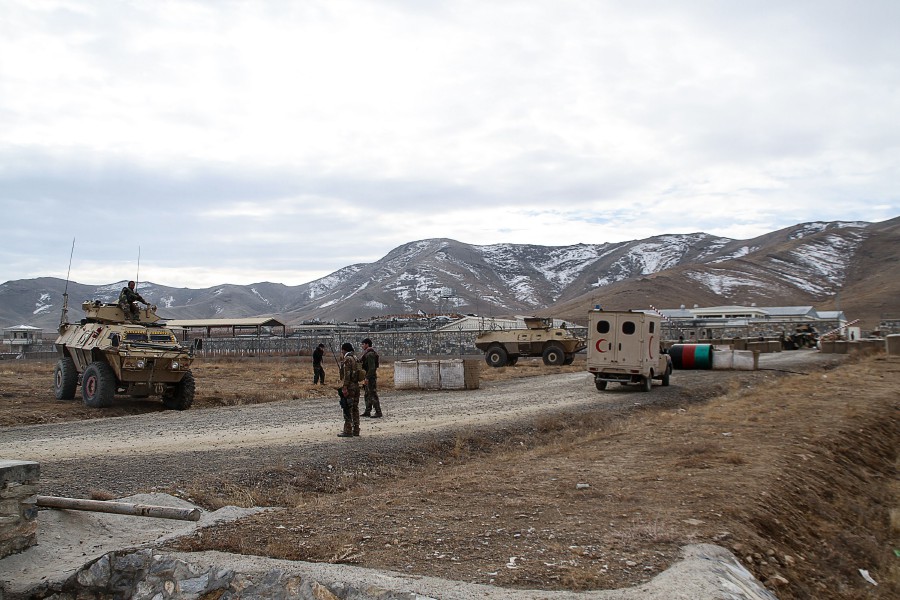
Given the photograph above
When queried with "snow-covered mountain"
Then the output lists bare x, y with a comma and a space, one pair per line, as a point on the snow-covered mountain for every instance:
820, 264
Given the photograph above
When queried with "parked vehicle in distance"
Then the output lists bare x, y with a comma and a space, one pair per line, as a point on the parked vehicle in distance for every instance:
625, 347
555, 345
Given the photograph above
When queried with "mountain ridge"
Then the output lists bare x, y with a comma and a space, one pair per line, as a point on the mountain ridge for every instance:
847, 265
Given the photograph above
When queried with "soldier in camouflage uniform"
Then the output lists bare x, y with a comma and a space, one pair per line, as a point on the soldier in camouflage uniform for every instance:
128, 299
350, 391
369, 362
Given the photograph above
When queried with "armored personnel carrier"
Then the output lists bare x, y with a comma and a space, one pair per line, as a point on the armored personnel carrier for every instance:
108, 354
555, 345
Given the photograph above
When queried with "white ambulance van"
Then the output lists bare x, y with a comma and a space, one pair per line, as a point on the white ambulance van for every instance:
625, 347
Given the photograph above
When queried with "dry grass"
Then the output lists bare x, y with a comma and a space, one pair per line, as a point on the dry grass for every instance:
790, 476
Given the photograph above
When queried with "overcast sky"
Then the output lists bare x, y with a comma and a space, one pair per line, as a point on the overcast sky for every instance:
238, 142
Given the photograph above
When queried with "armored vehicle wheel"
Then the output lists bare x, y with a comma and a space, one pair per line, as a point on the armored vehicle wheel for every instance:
65, 379
98, 385
511, 361
554, 355
665, 377
646, 383
180, 396
601, 385
496, 356
570, 358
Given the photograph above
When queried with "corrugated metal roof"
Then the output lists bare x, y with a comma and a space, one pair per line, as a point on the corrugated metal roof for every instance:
245, 322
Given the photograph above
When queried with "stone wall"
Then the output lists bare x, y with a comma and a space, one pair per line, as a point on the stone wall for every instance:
18, 512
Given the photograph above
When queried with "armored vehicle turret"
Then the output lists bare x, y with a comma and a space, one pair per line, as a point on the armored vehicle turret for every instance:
108, 354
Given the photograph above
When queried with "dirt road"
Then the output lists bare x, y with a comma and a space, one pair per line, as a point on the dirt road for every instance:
126, 455
129, 454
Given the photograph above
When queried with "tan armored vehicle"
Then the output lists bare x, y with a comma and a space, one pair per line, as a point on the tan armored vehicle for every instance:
556, 345
624, 347
108, 355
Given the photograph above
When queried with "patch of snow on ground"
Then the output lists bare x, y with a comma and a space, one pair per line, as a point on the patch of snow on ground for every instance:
357, 290
43, 304
658, 256
523, 289
742, 251
724, 283
167, 301
375, 304
803, 283
808, 229
565, 264
114, 288
828, 257
258, 295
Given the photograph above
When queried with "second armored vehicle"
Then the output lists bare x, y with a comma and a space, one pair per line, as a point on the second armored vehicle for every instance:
555, 345
107, 354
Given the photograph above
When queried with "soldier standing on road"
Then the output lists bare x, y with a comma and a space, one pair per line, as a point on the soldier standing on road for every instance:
318, 369
350, 391
369, 362
128, 299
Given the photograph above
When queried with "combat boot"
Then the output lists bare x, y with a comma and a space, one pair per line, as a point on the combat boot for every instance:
347, 432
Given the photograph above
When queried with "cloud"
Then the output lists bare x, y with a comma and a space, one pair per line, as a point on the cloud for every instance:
242, 141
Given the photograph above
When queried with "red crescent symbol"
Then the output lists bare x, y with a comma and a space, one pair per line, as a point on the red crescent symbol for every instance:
598, 344
650, 348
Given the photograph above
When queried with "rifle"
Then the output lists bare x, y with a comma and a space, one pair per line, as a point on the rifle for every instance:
334, 355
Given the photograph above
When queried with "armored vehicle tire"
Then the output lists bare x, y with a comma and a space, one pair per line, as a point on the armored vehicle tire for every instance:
601, 385
512, 360
98, 385
180, 396
646, 383
496, 356
570, 358
554, 355
65, 379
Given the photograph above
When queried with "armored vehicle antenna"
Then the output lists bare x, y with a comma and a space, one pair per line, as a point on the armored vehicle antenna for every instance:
64, 317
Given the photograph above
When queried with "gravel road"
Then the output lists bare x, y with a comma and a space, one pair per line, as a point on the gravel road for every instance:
136, 454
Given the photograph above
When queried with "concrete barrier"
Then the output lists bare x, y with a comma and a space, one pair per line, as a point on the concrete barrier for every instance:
745, 360
723, 360
892, 344
445, 374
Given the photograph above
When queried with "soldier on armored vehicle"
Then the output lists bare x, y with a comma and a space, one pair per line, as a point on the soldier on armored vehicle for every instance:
116, 351
128, 299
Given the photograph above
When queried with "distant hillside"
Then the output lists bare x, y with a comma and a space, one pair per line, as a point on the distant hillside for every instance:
848, 265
